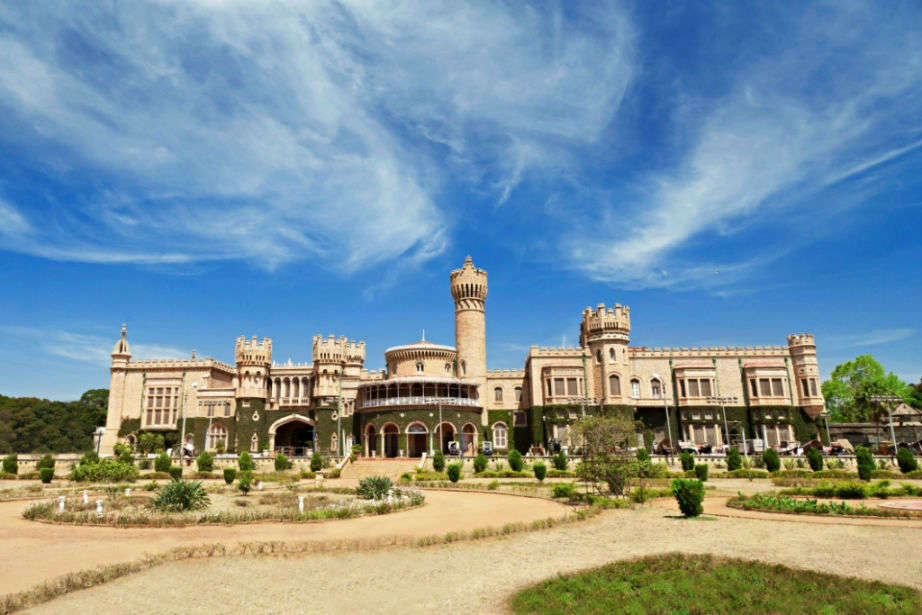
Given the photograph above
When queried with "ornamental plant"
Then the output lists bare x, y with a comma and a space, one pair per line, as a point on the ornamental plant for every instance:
46, 474
179, 496
771, 459
701, 471
540, 471
229, 475
688, 462
245, 482
515, 460
438, 461
480, 463
316, 462
734, 460
245, 462
282, 462
454, 472
865, 462
815, 459
45, 462
176, 472
560, 461
642, 455
162, 463
205, 462
373, 487
906, 460
689, 493
11, 464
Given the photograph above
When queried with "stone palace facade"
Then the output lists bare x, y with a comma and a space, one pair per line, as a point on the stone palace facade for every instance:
430, 394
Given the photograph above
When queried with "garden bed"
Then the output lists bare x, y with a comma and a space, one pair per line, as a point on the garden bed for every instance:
774, 503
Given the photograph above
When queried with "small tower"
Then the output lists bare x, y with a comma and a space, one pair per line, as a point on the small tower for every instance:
469, 290
121, 352
253, 358
118, 374
802, 348
606, 333
333, 359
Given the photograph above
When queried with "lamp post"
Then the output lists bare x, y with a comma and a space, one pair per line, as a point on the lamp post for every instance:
723, 400
665, 409
100, 431
887, 400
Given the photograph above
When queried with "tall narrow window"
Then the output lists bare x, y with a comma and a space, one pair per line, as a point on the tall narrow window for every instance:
777, 387
682, 387
693, 390
753, 387
571, 386
558, 387
598, 356
498, 394
614, 385
705, 387
765, 387
635, 389
656, 388
518, 393
419, 367
813, 387
499, 435
611, 355
803, 382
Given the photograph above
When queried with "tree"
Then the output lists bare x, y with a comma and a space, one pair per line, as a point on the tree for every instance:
32, 425
851, 383
606, 457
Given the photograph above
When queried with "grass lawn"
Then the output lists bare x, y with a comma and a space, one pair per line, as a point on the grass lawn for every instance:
685, 583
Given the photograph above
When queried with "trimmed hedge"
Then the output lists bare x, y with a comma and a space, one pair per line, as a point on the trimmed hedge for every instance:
46, 474
162, 463
689, 494
688, 462
540, 471
865, 462
771, 459
454, 472
734, 460
701, 472
906, 460
438, 461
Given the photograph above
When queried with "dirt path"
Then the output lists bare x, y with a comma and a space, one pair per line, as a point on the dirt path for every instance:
34, 552
478, 577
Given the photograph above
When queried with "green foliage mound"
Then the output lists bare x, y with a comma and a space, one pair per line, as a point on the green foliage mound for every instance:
245, 483
688, 462
162, 463
701, 471
643, 455
282, 463
865, 462
11, 464
564, 490
179, 496
229, 475
771, 459
906, 460
316, 462
480, 463
373, 487
104, 471
46, 474
176, 472
689, 493
245, 462
734, 460
204, 462
540, 471
47, 461
438, 461
454, 472
515, 460
560, 461
815, 459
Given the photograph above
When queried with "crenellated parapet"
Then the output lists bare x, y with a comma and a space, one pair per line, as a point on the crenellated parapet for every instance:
468, 286
253, 352
551, 351
604, 323
643, 352
332, 349
506, 373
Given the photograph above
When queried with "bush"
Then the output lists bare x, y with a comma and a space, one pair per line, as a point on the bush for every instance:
204, 462
771, 459
282, 463
245, 462
643, 455
734, 460
701, 471
560, 461
689, 494
373, 487
815, 458
454, 472
11, 464
229, 475
176, 472
45, 462
162, 463
850, 491
107, 470
688, 462
865, 462
46, 474
540, 471
245, 482
316, 462
564, 490
906, 460
515, 460
480, 463
438, 461
180, 496
144, 464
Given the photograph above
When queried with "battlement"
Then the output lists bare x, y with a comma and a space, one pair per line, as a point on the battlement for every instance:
605, 323
253, 351
505, 373
550, 351
643, 352
468, 282
184, 364
801, 339
337, 350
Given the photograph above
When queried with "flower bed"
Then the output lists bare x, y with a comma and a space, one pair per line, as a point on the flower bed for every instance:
790, 505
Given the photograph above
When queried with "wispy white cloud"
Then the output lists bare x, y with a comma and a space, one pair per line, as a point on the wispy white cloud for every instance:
86, 348
12, 222
304, 130
873, 337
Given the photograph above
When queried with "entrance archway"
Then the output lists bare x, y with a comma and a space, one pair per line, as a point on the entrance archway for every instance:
390, 440
371, 440
467, 439
445, 433
293, 436
416, 440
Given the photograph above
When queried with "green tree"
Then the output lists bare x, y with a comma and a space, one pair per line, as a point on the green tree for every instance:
851, 383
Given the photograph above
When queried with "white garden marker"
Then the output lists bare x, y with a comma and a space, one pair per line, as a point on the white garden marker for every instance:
99, 508
60, 503
86, 499
127, 492
259, 485
301, 504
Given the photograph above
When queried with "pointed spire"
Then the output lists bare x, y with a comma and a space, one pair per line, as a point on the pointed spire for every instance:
424, 335
121, 348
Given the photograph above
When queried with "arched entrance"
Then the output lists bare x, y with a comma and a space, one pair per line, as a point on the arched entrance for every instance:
468, 445
293, 436
416, 440
390, 440
371, 440
445, 433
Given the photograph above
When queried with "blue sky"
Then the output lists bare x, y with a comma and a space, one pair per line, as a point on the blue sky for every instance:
734, 172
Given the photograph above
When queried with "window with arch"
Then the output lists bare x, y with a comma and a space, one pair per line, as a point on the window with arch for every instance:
656, 387
463, 368
217, 435
498, 394
635, 388
611, 355
614, 385
419, 367
598, 356
254, 443
518, 393
333, 443
500, 435
448, 368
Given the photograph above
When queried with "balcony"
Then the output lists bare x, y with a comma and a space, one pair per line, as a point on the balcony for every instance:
420, 401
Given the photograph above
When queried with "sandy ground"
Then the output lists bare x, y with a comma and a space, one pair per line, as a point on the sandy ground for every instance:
479, 576
32, 552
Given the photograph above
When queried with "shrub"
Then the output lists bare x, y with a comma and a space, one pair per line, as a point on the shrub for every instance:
107, 470
564, 490
515, 460
162, 463
438, 461
701, 471
815, 458
281, 462
865, 462
850, 491
219, 448
734, 460
560, 461
204, 462
334, 473
144, 464
540, 471
176, 472
46, 474
373, 487
771, 459
688, 462
689, 494
229, 475
643, 455
245, 482
45, 462
245, 462
316, 462
480, 463
11, 464
454, 472
906, 460
180, 496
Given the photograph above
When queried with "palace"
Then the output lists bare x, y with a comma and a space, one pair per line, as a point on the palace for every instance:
430, 394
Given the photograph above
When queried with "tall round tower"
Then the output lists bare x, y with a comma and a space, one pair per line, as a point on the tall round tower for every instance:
606, 332
469, 290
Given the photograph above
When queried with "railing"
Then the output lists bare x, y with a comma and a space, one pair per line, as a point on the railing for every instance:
419, 401
295, 451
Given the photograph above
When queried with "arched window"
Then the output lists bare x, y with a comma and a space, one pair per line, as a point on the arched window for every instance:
448, 368
217, 435
518, 393
598, 356
635, 388
498, 394
611, 355
254, 443
419, 367
333, 443
500, 439
614, 385
463, 368
656, 388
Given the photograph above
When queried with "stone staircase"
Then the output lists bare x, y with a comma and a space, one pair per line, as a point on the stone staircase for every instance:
365, 466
